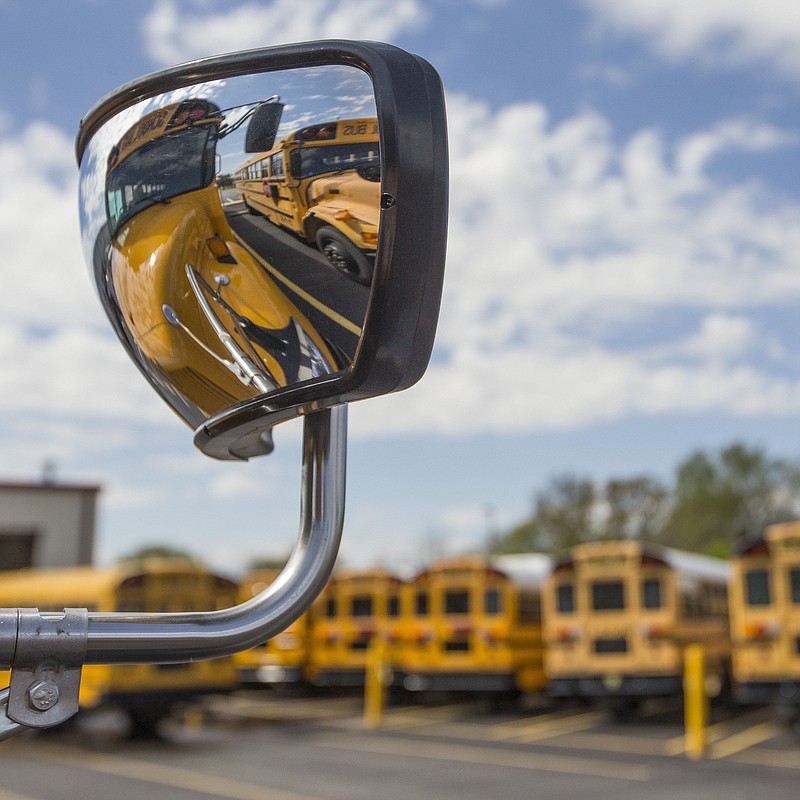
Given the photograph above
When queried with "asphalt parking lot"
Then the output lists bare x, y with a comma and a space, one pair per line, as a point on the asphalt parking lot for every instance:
257, 745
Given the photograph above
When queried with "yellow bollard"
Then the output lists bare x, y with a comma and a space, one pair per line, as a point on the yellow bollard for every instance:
695, 701
375, 683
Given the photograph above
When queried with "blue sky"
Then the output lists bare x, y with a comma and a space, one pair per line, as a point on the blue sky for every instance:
622, 283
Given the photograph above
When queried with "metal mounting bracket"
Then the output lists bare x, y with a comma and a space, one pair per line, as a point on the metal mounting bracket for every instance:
46, 671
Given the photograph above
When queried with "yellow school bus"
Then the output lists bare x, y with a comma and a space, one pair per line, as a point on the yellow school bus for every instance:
194, 301
146, 692
322, 182
354, 608
472, 624
282, 661
619, 614
765, 621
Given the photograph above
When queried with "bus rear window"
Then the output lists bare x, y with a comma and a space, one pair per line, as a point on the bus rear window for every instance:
756, 588
608, 596
361, 606
456, 602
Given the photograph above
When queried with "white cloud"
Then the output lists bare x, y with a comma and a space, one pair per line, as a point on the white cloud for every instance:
568, 253
173, 32
717, 33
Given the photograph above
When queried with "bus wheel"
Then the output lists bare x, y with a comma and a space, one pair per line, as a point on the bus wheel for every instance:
344, 255
144, 723
250, 209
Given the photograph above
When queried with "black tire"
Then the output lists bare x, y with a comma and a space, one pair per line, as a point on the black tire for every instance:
144, 722
343, 255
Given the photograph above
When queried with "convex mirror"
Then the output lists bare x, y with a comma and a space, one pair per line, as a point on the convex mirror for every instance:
266, 231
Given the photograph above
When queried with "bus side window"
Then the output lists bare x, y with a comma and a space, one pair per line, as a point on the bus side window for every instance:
276, 166
330, 607
491, 603
393, 606
651, 593
565, 598
421, 604
295, 165
794, 584
756, 587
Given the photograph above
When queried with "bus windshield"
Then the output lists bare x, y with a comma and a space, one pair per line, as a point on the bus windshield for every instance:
336, 157
182, 161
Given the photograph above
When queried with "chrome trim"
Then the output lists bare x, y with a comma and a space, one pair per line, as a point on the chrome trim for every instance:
120, 638
8, 727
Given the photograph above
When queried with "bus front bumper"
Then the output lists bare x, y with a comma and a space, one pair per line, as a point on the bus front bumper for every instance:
270, 674
762, 692
616, 686
460, 682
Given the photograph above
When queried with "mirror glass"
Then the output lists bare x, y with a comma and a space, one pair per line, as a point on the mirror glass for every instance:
232, 228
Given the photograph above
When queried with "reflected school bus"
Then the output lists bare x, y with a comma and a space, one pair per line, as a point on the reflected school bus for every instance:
619, 614
765, 621
281, 661
322, 182
471, 624
145, 692
195, 302
354, 608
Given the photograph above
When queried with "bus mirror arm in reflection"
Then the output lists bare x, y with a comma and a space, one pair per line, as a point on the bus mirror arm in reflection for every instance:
45, 652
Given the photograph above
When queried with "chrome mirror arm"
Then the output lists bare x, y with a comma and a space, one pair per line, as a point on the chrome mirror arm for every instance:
118, 638
8, 727
46, 664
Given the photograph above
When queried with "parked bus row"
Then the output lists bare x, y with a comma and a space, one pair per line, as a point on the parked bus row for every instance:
611, 620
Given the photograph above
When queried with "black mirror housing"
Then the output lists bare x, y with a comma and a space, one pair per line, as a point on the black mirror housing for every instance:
262, 127
404, 283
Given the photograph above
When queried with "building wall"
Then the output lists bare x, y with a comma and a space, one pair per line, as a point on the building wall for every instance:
61, 519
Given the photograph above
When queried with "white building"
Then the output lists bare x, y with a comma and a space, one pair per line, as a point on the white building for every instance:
46, 524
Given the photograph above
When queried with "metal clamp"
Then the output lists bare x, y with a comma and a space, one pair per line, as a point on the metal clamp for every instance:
46, 671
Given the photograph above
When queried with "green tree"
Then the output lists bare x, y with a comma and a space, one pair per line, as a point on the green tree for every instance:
562, 517
636, 508
721, 499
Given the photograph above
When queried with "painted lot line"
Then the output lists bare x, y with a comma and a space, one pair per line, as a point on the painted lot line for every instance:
415, 717
274, 709
332, 315
762, 757
485, 756
744, 740
444, 724
160, 775
547, 726
6, 795
718, 736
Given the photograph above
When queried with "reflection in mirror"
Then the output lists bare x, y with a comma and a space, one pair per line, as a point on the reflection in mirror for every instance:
233, 226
